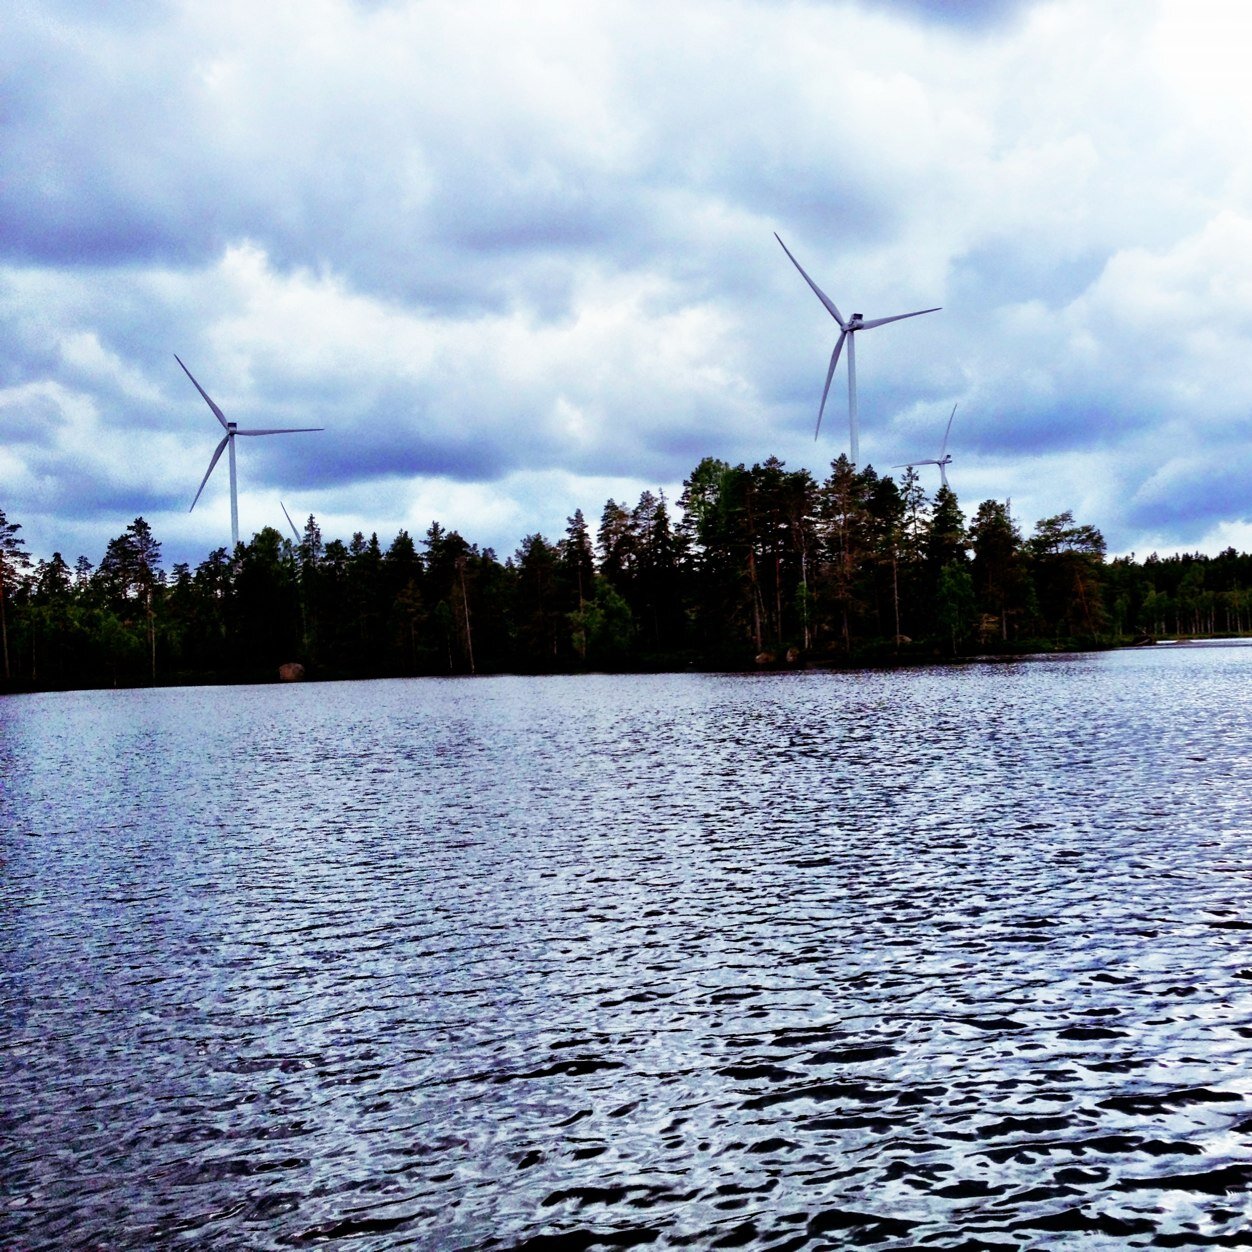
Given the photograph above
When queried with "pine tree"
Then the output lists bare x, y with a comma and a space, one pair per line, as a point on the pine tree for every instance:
886, 508
448, 566
846, 526
51, 614
14, 562
1068, 560
656, 607
538, 602
999, 572
578, 557
130, 574
617, 545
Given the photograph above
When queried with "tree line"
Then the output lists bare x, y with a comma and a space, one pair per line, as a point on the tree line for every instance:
760, 566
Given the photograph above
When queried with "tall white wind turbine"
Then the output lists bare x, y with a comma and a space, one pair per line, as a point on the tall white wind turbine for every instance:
847, 330
228, 442
945, 457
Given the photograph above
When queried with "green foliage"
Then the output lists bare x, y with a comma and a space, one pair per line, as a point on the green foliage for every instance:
760, 561
604, 627
13, 564
1068, 562
954, 603
1001, 578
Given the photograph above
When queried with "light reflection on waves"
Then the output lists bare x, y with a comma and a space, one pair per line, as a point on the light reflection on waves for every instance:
948, 959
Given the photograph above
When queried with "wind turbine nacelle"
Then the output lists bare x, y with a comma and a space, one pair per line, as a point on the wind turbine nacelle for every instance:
856, 320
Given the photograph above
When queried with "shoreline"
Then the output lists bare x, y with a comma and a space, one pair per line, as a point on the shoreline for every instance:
797, 666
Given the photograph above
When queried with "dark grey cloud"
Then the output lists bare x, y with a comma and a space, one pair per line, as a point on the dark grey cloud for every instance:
36, 427
399, 453
501, 258
69, 489
1006, 271
1186, 496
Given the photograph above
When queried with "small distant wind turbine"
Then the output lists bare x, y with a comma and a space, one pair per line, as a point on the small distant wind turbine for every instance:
945, 457
228, 440
847, 330
290, 523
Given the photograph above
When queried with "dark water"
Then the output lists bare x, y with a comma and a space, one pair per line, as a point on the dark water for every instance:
935, 959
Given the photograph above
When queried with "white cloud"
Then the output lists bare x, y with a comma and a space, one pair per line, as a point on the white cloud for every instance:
504, 253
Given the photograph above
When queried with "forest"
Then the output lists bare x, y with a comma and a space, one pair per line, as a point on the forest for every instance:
758, 567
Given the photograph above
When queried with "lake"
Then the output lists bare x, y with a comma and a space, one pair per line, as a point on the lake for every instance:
952, 958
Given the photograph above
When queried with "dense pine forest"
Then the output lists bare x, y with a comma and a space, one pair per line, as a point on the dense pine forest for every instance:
761, 566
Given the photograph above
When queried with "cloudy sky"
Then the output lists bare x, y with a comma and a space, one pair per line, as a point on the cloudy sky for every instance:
519, 259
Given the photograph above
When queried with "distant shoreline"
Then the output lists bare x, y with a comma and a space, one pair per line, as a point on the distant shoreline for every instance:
809, 665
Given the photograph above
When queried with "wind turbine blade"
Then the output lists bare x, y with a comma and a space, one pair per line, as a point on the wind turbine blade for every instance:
216, 411
947, 432
899, 317
221, 447
286, 430
830, 373
914, 464
821, 295
290, 523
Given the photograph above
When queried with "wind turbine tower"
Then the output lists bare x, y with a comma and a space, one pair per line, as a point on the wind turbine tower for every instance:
944, 458
847, 330
228, 443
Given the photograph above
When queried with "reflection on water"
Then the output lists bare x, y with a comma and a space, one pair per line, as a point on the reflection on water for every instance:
945, 959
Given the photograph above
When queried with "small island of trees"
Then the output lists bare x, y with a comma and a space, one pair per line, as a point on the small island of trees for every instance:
762, 566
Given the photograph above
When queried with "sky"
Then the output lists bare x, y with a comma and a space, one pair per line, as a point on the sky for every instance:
518, 260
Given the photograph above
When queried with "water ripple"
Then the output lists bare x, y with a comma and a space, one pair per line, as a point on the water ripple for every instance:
948, 959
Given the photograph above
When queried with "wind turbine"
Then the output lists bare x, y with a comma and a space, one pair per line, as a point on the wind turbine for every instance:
290, 523
228, 441
944, 458
847, 330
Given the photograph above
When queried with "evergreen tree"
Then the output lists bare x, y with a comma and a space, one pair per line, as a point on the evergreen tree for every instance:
799, 510
181, 612
886, 531
954, 603
14, 562
266, 617
449, 578
759, 561
540, 615
846, 527
366, 588
213, 582
1068, 560
719, 560
577, 558
52, 620
604, 629
617, 545
656, 609
334, 636
946, 539
129, 574
1001, 581
406, 607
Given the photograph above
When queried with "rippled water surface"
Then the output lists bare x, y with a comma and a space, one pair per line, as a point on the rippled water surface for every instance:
954, 958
